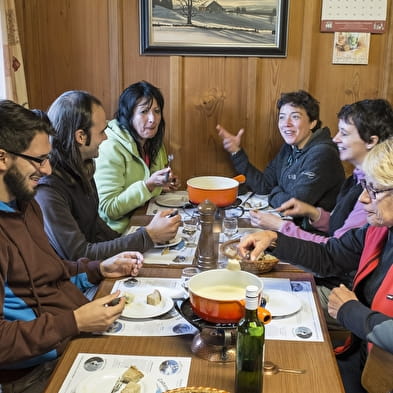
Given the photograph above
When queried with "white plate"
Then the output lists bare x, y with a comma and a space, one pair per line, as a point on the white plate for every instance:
104, 381
139, 309
281, 303
175, 241
172, 200
256, 203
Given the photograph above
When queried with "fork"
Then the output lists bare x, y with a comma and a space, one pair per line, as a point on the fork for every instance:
170, 158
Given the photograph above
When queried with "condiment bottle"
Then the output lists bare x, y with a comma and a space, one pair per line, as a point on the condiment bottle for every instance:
249, 347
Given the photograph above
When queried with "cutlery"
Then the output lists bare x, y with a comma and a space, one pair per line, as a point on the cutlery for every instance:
249, 197
165, 251
170, 159
270, 368
118, 385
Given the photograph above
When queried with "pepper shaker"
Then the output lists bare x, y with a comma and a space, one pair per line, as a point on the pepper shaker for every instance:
206, 250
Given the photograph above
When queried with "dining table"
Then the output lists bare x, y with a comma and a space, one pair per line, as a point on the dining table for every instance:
315, 357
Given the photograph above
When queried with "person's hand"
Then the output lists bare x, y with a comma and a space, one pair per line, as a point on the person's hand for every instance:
172, 183
265, 220
231, 143
163, 228
161, 178
251, 246
126, 263
338, 296
97, 316
294, 207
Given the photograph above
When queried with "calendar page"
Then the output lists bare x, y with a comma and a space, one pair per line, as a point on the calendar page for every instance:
367, 16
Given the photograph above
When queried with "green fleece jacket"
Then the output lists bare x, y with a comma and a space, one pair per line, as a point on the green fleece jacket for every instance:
120, 177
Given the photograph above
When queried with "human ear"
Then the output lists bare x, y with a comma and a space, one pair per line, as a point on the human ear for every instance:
373, 140
80, 136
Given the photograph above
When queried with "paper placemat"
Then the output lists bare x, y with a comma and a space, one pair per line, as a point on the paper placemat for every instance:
169, 324
95, 370
303, 325
178, 254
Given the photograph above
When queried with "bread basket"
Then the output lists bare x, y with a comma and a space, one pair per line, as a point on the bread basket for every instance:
196, 389
263, 265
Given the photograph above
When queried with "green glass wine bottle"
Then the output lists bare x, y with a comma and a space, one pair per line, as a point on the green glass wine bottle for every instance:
249, 347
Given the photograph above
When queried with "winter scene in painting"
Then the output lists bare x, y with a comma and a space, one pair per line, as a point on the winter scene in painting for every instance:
215, 23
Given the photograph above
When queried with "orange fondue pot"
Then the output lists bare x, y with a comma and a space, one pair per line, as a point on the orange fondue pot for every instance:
208, 303
222, 191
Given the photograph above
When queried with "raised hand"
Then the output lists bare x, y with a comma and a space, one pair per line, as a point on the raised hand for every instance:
231, 143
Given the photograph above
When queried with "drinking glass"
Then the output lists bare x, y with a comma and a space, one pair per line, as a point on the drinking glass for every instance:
186, 274
190, 226
229, 226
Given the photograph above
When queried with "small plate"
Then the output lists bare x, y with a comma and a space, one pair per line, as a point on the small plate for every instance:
104, 381
281, 303
172, 200
255, 203
139, 309
174, 242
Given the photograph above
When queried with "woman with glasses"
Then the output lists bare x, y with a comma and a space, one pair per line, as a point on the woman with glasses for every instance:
367, 309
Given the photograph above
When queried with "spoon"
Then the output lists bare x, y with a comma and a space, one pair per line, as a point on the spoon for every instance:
269, 368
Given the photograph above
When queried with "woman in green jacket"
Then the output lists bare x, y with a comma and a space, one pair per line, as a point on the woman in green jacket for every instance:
132, 163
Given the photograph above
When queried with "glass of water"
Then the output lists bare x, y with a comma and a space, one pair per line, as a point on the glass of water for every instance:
186, 274
190, 226
229, 226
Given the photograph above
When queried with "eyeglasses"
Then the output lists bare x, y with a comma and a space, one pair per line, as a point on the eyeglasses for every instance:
39, 160
371, 191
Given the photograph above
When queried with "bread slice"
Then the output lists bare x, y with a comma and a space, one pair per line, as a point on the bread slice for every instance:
131, 387
154, 298
132, 375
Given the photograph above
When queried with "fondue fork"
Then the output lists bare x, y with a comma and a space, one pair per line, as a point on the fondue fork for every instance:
170, 159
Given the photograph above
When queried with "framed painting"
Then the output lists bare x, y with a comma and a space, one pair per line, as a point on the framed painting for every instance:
214, 28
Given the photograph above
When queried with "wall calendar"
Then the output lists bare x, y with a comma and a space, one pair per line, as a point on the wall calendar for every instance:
367, 16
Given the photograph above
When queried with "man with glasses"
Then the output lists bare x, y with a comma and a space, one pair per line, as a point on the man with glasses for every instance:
42, 305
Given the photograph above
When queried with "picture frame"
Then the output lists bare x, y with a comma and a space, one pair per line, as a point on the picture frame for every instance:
214, 28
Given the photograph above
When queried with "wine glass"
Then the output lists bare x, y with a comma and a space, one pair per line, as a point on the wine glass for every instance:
190, 226
229, 226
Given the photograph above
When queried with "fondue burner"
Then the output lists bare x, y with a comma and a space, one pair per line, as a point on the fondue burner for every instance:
215, 342
193, 208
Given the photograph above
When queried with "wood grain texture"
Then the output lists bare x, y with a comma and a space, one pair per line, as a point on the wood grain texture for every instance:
94, 45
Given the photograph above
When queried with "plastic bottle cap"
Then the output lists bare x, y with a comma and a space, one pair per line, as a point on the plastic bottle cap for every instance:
252, 291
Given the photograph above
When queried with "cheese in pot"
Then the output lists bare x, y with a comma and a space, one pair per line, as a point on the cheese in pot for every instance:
222, 292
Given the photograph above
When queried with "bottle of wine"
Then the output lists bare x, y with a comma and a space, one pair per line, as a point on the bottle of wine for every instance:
249, 347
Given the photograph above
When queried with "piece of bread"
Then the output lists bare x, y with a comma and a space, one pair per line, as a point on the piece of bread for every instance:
132, 375
154, 298
131, 387
129, 297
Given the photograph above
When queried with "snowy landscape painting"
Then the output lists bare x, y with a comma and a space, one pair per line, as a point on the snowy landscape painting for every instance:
214, 28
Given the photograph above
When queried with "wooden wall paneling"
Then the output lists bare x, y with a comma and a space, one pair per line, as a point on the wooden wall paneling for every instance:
385, 87
215, 93
175, 132
155, 69
116, 47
